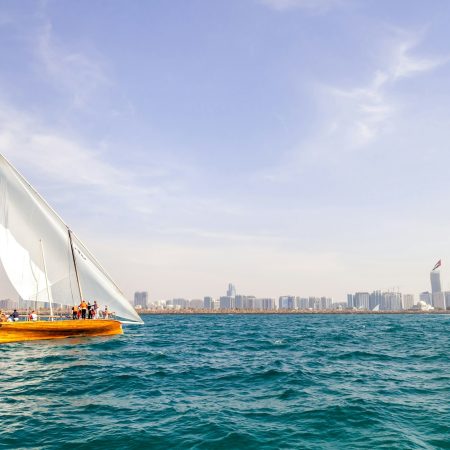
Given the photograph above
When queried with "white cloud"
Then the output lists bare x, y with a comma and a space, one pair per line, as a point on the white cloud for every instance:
406, 65
57, 158
353, 118
76, 73
364, 112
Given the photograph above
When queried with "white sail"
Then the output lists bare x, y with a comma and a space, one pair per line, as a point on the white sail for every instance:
96, 284
25, 275
26, 220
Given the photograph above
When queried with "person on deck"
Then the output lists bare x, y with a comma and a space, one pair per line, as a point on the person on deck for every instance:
3, 317
83, 307
75, 312
89, 310
33, 316
96, 309
14, 316
106, 313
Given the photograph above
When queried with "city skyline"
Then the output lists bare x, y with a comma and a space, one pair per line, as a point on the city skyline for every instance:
189, 143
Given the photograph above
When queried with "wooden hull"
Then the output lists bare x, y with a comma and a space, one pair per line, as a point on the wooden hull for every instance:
32, 331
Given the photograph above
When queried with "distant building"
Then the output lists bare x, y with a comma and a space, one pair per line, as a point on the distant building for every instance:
325, 303
408, 301
438, 300
286, 302
361, 300
227, 302
302, 303
314, 303
426, 297
375, 299
392, 301
350, 302
196, 304
239, 302
447, 299
268, 304
8, 304
231, 291
141, 299
208, 302
180, 303
251, 302
435, 278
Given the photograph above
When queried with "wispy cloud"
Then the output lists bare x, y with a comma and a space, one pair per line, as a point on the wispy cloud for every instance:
58, 158
353, 118
363, 112
75, 72
317, 6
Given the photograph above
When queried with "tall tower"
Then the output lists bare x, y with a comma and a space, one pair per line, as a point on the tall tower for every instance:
435, 278
231, 292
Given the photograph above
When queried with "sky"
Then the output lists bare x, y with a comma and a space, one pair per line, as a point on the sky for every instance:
292, 147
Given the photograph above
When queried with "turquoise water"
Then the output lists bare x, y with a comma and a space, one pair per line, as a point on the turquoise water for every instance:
231, 382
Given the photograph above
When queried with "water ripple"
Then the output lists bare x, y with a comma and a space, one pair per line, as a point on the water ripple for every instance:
253, 382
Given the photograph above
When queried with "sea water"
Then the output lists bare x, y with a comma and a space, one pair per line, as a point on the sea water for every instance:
234, 382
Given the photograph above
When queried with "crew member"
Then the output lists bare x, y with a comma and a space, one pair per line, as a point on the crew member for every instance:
83, 307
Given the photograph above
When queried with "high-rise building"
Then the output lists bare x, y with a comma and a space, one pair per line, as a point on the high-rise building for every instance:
375, 299
426, 297
350, 303
180, 303
196, 304
268, 304
231, 291
302, 303
141, 299
408, 301
227, 302
325, 303
392, 301
361, 300
286, 302
438, 300
208, 303
239, 302
447, 299
435, 278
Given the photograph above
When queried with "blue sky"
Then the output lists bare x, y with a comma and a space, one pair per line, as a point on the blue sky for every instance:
289, 146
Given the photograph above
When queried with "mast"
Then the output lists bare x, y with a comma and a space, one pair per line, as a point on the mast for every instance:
75, 263
46, 281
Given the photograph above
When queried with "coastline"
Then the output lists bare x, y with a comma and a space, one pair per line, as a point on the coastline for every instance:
284, 312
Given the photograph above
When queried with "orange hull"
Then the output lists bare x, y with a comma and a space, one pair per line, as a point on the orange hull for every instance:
32, 331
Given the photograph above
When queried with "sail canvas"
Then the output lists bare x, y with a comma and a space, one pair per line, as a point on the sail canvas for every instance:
27, 225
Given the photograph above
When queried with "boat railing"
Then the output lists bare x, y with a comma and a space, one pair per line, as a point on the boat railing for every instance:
48, 317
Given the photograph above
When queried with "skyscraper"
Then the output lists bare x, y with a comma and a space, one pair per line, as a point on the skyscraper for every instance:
425, 297
408, 301
435, 277
350, 300
361, 300
375, 299
208, 303
439, 300
141, 299
231, 292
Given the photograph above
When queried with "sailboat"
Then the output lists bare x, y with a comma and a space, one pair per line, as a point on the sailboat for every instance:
48, 265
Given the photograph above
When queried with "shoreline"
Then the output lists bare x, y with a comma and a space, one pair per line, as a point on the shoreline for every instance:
287, 312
